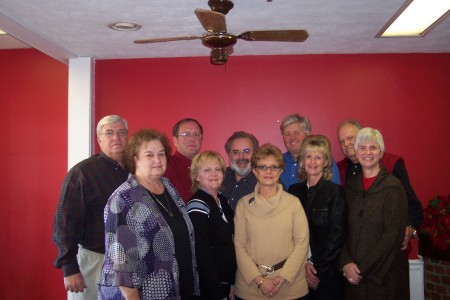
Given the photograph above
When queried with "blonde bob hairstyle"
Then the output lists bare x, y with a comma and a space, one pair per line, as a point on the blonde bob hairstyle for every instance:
321, 144
199, 162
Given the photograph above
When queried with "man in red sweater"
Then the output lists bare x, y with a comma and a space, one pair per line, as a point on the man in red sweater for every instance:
187, 138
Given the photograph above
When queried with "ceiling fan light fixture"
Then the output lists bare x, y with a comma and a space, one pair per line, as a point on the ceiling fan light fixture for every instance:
219, 56
222, 6
124, 26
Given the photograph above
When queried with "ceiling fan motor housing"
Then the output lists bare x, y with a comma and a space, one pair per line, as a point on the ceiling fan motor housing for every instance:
220, 40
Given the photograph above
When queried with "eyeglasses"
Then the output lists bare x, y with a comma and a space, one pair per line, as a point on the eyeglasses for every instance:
295, 133
265, 168
111, 133
243, 152
188, 134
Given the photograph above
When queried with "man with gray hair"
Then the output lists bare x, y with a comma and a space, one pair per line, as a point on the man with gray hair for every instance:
294, 129
239, 179
78, 228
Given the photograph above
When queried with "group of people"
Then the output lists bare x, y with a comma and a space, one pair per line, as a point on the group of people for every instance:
135, 222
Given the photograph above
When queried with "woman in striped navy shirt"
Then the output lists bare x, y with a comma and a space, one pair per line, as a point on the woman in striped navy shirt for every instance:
212, 217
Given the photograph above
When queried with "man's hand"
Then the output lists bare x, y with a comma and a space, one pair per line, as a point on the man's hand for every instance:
74, 283
311, 277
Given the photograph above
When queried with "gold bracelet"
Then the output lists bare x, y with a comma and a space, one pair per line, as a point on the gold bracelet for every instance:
259, 283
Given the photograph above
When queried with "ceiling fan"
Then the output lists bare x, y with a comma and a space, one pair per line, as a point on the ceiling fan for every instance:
220, 41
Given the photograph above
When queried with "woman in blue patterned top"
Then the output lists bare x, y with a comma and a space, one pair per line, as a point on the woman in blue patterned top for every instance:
150, 250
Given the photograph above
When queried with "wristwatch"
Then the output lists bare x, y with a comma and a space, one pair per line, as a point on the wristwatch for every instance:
414, 231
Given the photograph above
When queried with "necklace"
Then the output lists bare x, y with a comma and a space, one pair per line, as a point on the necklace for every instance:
169, 209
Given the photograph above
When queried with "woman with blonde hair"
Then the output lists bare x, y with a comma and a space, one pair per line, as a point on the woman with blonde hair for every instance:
212, 217
324, 205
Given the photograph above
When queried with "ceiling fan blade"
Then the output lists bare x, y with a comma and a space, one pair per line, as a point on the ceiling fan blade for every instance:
212, 21
169, 39
275, 35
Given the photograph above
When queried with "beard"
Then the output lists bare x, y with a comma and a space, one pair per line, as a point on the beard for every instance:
242, 172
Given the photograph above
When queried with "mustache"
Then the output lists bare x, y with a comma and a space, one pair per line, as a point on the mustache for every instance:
242, 161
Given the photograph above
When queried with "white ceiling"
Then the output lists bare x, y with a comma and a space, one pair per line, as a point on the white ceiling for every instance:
67, 29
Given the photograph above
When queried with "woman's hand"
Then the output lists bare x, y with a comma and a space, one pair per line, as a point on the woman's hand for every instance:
352, 273
129, 293
279, 281
269, 287
311, 277
231, 295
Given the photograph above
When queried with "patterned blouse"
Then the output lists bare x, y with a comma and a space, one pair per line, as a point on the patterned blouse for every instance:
140, 247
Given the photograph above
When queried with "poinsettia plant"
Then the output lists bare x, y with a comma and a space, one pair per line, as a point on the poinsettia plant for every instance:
436, 222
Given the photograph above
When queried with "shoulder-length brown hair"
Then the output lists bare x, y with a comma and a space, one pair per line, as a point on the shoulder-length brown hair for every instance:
135, 142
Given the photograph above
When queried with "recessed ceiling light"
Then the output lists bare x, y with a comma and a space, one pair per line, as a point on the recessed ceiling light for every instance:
416, 18
124, 26
2, 32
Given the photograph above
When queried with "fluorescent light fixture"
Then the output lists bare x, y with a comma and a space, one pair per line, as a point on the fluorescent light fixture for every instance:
416, 18
2, 32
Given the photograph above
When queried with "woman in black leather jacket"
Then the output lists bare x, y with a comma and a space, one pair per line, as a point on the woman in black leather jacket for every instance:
324, 206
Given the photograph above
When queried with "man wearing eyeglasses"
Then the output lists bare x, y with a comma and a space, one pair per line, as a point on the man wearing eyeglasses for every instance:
78, 228
294, 129
187, 138
239, 179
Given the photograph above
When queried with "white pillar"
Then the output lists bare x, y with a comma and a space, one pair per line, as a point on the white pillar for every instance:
416, 282
80, 110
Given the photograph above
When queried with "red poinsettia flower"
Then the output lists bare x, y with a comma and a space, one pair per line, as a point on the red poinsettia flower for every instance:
436, 222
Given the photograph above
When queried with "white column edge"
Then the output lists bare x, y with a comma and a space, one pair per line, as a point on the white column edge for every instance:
80, 110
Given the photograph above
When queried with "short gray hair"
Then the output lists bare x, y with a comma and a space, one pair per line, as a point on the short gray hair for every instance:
109, 120
296, 118
368, 133
351, 122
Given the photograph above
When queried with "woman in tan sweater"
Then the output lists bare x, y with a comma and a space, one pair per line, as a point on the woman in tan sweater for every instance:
271, 235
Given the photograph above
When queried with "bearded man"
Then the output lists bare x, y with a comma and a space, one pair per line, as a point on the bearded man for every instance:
239, 179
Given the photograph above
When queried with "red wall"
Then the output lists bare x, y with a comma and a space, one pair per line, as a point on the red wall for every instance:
405, 96
33, 154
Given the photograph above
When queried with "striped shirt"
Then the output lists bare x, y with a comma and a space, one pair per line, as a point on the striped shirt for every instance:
234, 190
